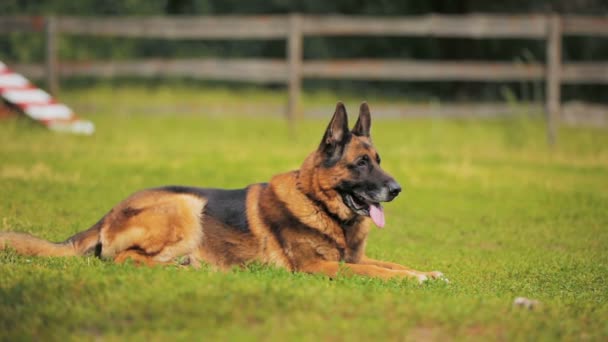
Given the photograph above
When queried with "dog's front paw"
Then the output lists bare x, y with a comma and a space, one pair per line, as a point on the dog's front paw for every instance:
437, 275
421, 278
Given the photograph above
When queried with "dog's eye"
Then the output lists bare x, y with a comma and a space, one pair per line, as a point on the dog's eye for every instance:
363, 161
378, 160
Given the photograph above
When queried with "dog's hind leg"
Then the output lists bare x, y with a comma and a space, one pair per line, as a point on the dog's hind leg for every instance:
153, 228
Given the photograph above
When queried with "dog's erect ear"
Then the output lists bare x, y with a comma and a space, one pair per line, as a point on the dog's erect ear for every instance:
364, 122
336, 134
338, 126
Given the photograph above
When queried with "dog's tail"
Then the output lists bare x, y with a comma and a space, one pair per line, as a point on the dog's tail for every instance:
80, 244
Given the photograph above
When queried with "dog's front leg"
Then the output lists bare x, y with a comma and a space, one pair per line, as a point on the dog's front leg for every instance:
393, 266
332, 269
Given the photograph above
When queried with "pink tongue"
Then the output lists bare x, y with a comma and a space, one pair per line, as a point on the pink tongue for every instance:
377, 215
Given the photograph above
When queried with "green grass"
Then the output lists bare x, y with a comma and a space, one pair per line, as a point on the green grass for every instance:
486, 202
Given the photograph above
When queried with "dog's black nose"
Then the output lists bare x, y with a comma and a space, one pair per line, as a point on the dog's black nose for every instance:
393, 188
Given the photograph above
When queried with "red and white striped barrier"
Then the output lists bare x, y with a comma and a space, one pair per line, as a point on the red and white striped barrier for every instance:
39, 105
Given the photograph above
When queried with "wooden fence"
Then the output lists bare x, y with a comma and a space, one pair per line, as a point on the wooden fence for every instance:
294, 27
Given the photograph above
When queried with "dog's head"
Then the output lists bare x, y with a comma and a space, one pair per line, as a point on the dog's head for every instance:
348, 169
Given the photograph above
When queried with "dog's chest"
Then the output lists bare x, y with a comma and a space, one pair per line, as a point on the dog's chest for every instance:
305, 245
356, 237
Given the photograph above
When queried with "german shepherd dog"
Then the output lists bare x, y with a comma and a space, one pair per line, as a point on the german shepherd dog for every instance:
315, 219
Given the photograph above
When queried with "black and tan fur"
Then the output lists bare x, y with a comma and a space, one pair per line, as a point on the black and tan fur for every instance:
315, 219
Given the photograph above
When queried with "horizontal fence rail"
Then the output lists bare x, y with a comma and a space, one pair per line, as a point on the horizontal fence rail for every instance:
234, 27
275, 71
277, 26
468, 26
585, 26
251, 70
294, 28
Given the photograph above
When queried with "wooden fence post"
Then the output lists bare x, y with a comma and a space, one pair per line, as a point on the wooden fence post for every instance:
294, 73
50, 28
553, 81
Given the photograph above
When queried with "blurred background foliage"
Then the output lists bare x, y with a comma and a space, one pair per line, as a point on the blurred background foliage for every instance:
26, 48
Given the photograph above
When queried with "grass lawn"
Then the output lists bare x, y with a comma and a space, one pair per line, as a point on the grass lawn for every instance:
485, 202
